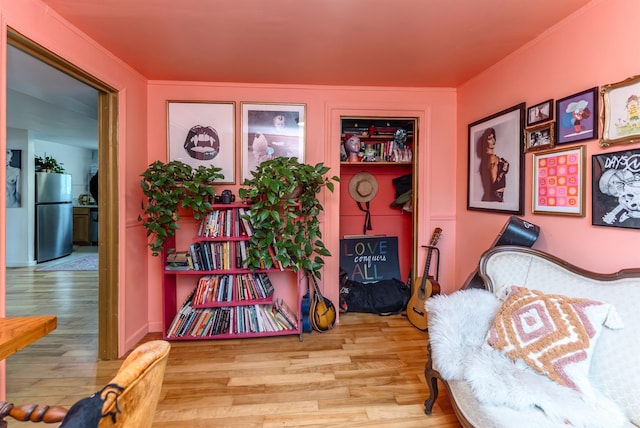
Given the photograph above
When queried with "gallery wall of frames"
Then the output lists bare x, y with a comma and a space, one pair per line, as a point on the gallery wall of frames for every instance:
556, 132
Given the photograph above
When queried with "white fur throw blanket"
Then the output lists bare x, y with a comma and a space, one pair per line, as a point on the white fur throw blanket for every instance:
458, 325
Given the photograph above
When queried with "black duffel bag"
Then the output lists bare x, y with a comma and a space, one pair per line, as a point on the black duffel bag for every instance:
385, 297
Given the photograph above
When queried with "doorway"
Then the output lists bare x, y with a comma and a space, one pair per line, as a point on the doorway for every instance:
108, 211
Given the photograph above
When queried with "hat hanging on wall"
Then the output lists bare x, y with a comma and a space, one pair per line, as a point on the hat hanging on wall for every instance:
363, 187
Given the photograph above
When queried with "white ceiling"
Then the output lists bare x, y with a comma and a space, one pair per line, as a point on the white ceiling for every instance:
52, 105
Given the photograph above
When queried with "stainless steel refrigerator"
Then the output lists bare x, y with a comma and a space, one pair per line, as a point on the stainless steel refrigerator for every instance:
54, 216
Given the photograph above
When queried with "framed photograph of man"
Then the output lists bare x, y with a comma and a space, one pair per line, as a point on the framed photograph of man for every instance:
496, 162
616, 189
269, 131
202, 133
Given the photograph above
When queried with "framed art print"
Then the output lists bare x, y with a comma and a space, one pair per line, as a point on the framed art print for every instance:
621, 112
539, 137
271, 130
577, 117
559, 181
616, 189
202, 133
14, 178
540, 113
496, 162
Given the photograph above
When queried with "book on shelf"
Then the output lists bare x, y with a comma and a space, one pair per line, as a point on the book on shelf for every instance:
279, 307
246, 221
275, 262
175, 267
182, 314
178, 257
178, 261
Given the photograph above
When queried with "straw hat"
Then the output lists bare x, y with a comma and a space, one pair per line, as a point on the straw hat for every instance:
363, 187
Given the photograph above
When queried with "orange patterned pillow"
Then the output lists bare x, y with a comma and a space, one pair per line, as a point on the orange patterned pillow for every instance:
553, 334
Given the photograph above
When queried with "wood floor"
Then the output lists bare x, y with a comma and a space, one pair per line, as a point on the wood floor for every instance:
366, 372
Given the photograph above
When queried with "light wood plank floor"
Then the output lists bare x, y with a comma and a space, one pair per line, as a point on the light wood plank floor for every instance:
368, 371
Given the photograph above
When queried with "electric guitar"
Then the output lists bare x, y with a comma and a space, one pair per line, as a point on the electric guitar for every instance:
322, 313
416, 312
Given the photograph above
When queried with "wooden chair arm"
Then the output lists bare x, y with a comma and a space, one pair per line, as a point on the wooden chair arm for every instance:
31, 413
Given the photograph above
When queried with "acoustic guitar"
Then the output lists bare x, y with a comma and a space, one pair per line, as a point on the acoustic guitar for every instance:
322, 313
427, 286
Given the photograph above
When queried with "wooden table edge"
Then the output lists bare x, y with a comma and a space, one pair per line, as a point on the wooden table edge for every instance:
18, 332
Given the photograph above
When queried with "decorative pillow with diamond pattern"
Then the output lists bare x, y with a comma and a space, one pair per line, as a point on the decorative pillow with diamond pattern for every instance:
554, 334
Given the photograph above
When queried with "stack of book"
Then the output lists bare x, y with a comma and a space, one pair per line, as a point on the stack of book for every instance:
180, 260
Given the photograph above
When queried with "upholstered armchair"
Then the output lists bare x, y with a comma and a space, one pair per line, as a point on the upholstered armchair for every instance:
128, 400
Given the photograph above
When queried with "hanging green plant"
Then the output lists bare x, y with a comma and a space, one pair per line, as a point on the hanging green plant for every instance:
285, 214
169, 187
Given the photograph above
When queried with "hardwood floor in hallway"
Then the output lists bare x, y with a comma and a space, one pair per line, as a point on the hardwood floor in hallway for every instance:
366, 372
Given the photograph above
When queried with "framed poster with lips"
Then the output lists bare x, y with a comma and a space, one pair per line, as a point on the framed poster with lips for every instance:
202, 133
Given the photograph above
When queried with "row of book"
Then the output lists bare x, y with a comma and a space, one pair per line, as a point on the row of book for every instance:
388, 151
203, 322
228, 222
227, 288
216, 255
266, 318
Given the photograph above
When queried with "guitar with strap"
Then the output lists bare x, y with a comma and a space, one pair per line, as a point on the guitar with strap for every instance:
428, 285
322, 313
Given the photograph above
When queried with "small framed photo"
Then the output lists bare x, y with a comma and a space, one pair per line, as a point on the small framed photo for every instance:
540, 113
621, 112
202, 133
559, 182
539, 137
271, 130
577, 117
496, 162
616, 189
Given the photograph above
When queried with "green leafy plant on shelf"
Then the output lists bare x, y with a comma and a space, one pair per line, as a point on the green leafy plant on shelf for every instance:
49, 164
172, 186
285, 214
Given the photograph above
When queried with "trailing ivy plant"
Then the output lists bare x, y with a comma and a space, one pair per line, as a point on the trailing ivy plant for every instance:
285, 214
169, 187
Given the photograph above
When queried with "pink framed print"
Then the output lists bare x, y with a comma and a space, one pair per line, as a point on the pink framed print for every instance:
559, 182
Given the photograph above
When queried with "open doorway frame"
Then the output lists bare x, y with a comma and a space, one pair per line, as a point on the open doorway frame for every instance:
108, 189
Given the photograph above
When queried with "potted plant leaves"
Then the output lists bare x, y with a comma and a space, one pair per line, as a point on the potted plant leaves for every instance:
48, 164
169, 187
285, 214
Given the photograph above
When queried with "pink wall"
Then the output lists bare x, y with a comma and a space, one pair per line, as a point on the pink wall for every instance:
324, 106
593, 47
39, 23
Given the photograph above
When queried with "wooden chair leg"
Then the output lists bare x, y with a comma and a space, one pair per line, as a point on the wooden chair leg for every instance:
432, 383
